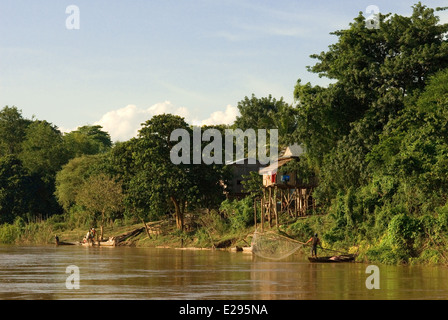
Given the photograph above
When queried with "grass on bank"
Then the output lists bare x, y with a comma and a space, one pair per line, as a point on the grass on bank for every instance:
209, 231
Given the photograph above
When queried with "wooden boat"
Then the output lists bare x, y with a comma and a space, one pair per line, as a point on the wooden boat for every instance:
109, 243
63, 243
334, 259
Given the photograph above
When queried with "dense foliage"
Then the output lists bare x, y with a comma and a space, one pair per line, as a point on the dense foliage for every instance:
377, 136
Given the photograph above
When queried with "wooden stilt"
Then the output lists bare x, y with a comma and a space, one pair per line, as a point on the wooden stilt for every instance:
255, 213
262, 210
270, 207
275, 207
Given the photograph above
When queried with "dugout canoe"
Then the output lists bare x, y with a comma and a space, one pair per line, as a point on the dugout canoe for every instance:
334, 259
108, 243
63, 243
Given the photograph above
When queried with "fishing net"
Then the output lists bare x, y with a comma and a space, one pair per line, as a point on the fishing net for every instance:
274, 246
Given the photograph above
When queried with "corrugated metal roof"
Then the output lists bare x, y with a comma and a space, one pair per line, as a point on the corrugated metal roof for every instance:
293, 150
243, 161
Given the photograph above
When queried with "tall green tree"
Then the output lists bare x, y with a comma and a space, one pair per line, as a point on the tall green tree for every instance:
413, 148
257, 112
157, 185
16, 190
373, 72
158, 181
43, 150
88, 140
43, 155
101, 196
71, 179
267, 113
12, 130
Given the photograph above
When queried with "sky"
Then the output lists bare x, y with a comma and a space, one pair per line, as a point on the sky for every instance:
131, 60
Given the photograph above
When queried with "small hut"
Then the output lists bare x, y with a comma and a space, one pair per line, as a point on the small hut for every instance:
241, 168
285, 192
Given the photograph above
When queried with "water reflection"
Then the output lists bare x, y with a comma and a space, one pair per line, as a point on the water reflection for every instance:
143, 273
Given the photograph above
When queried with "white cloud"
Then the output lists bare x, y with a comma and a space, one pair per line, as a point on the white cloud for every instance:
123, 124
222, 117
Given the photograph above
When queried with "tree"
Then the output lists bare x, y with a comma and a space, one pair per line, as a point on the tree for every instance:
210, 179
414, 147
71, 179
12, 130
88, 140
267, 113
257, 113
157, 180
101, 195
15, 189
43, 150
43, 155
156, 185
374, 72
253, 184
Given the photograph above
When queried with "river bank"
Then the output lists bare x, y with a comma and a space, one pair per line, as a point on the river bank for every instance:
44, 233
201, 237
141, 237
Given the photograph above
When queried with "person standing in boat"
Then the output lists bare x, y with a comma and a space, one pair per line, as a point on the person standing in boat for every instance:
87, 237
314, 242
92, 234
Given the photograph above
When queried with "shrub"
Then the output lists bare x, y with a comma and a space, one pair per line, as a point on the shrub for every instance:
403, 231
442, 219
9, 233
214, 222
240, 213
387, 254
203, 238
301, 229
397, 245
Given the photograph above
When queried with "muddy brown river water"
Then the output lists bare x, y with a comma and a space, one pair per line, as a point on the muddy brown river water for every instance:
72, 272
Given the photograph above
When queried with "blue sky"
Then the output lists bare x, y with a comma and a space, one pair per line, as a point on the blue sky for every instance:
133, 59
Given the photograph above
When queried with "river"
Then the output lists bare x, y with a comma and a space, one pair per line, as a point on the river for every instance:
53, 273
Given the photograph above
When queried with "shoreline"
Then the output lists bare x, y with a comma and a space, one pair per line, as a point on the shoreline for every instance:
43, 234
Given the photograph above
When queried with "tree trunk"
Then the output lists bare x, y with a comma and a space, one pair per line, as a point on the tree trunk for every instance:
146, 228
179, 214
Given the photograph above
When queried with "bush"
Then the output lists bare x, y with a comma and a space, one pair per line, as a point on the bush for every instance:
118, 223
399, 241
215, 223
9, 233
76, 217
387, 254
57, 222
240, 213
431, 256
403, 231
301, 229
442, 218
203, 238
